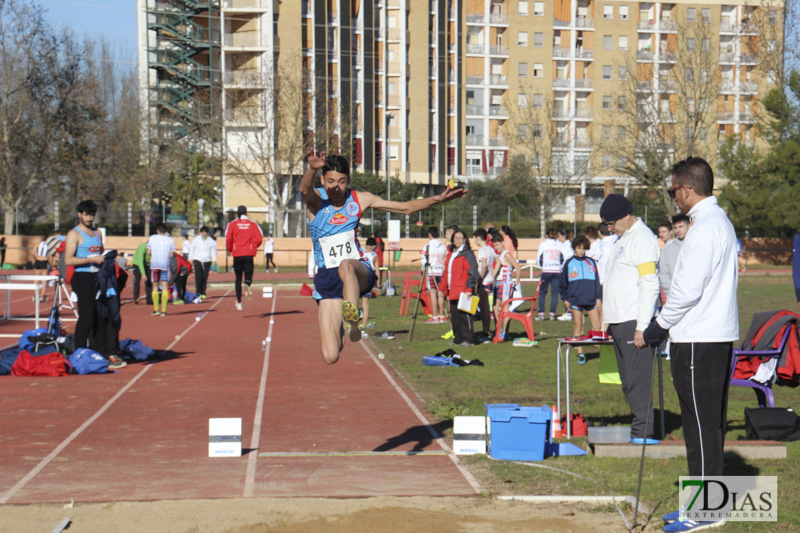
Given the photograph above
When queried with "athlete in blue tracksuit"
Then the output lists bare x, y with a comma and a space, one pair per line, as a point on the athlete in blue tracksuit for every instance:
333, 212
580, 288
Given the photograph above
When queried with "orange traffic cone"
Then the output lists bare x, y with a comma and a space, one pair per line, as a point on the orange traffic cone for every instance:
555, 424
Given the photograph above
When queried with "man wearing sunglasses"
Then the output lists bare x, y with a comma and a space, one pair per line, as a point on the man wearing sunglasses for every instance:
701, 319
630, 293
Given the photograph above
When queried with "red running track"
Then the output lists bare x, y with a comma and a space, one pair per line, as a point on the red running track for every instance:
348, 430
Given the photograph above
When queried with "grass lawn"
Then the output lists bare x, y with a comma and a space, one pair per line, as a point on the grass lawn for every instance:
526, 376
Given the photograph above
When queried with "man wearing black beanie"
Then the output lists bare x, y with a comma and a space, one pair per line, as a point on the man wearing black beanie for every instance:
630, 294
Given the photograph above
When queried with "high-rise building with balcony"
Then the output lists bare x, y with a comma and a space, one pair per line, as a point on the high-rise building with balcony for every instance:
424, 89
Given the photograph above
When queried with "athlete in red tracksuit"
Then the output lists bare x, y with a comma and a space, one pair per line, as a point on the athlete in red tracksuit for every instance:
242, 239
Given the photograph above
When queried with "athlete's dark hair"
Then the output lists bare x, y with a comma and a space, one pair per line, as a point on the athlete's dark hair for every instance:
696, 173
497, 237
336, 163
466, 238
372, 242
161, 227
680, 217
590, 232
551, 233
480, 233
510, 232
665, 224
204, 228
87, 207
603, 229
433, 231
580, 240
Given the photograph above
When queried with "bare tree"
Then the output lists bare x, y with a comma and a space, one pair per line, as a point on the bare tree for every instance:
665, 108
270, 130
39, 73
543, 152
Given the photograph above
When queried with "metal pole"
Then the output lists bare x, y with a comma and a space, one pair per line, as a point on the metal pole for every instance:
130, 220
55, 216
509, 215
474, 218
407, 234
441, 223
16, 219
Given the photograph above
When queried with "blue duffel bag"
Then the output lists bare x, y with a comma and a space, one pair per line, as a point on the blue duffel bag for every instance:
87, 361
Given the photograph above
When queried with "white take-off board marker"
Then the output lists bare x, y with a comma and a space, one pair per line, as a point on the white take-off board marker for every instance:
267, 292
224, 437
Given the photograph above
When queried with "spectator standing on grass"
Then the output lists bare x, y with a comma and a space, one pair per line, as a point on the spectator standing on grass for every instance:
269, 252
141, 269
161, 248
664, 233
669, 255
550, 259
202, 255
630, 293
433, 256
84, 252
3, 248
564, 239
486, 259
242, 239
460, 276
701, 319
506, 273
581, 290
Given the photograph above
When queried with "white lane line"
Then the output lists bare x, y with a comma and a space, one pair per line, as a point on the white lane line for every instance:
44, 462
464, 472
250, 479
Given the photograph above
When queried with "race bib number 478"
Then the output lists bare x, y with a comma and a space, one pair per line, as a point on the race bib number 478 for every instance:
337, 248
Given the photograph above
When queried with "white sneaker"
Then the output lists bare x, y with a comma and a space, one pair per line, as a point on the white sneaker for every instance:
565, 317
238, 306
248, 291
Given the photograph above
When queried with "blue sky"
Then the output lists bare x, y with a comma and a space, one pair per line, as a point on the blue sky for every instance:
114, 20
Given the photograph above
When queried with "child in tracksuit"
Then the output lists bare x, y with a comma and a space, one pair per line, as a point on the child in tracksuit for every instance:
180, 268
581, 291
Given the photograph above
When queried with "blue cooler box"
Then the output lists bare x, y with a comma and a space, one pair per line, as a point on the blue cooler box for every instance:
519, 433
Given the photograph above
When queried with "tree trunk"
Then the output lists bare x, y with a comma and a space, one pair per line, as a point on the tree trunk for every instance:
281, 229
8, 222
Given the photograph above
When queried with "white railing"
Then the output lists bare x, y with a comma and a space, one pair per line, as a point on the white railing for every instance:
748, 86
472, 109
561, 52
498, 50
472, 80
644, 55
561, 82
474, 140
647, 25
726, 57
498, 110
498, 80
583, 113
583, 83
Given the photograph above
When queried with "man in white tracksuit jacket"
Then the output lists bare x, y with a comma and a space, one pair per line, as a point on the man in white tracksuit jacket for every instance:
630, 293
702, 321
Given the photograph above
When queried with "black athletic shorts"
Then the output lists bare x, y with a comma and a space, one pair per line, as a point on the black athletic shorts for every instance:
41, 265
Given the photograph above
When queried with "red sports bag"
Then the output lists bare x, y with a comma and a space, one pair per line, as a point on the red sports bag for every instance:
49, 364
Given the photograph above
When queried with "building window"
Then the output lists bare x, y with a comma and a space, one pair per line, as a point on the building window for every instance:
623, 12
392, 87
690, 44
538, 70
703, 134
394, 152
606, 72
773, 16
705, 44
522, 131
608, 11
538, 9
621, 133
522, 70
620, 162
704, 105
607, 43
623, 42
523, 7
522, 39
538, 40
607, 102
622, 71
689, 74
706, 14
621, 102
537, 101
691, 14
537, 131
522, 100
606, 162
704, 75
606, 133
772, 45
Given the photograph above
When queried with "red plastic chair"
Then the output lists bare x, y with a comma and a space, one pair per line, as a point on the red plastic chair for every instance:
525, 318
413, 280
763, 392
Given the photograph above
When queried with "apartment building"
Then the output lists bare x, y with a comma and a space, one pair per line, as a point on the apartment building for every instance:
425, 89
